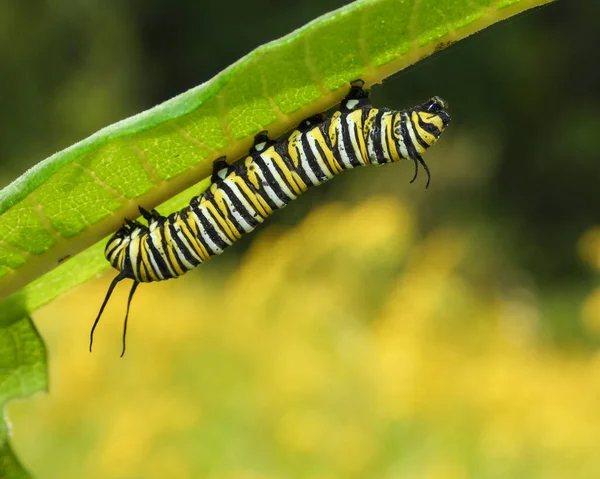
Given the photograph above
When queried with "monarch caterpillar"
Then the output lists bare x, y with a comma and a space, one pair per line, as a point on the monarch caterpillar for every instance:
242, 195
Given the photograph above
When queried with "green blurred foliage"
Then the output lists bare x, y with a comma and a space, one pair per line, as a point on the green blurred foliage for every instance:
502, 377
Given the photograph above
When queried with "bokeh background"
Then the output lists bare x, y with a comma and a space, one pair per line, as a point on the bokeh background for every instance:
373, 329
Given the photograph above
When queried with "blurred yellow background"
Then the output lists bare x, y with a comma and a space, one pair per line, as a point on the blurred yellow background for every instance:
347, 346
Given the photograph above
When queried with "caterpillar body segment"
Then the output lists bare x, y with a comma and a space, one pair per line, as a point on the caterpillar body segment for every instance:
242, 195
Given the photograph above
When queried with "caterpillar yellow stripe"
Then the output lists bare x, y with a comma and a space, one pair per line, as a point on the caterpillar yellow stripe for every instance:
242, 195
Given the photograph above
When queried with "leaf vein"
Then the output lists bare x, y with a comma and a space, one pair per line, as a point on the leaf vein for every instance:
282, 117
222, 113
362, 42
44, 220
412, 26
189, 138
15, 372
312, 70
148, 168
14, 249
101, 183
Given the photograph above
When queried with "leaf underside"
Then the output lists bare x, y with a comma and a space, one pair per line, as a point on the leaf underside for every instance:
71, 201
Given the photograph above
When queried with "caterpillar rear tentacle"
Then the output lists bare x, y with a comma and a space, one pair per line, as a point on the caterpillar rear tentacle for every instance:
243, 194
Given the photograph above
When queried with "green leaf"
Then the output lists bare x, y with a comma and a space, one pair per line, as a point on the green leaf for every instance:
22, 373
80, 195
9, 464
75, 198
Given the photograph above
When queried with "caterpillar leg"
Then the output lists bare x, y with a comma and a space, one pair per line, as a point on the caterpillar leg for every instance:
220, 169
150, 216
310, 122
261, 143
131, 225
356, 98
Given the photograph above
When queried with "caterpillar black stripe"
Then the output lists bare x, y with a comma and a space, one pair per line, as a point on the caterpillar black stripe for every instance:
242, 195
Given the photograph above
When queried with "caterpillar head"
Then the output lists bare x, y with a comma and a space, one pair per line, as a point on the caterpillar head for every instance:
429, 121
417, 129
